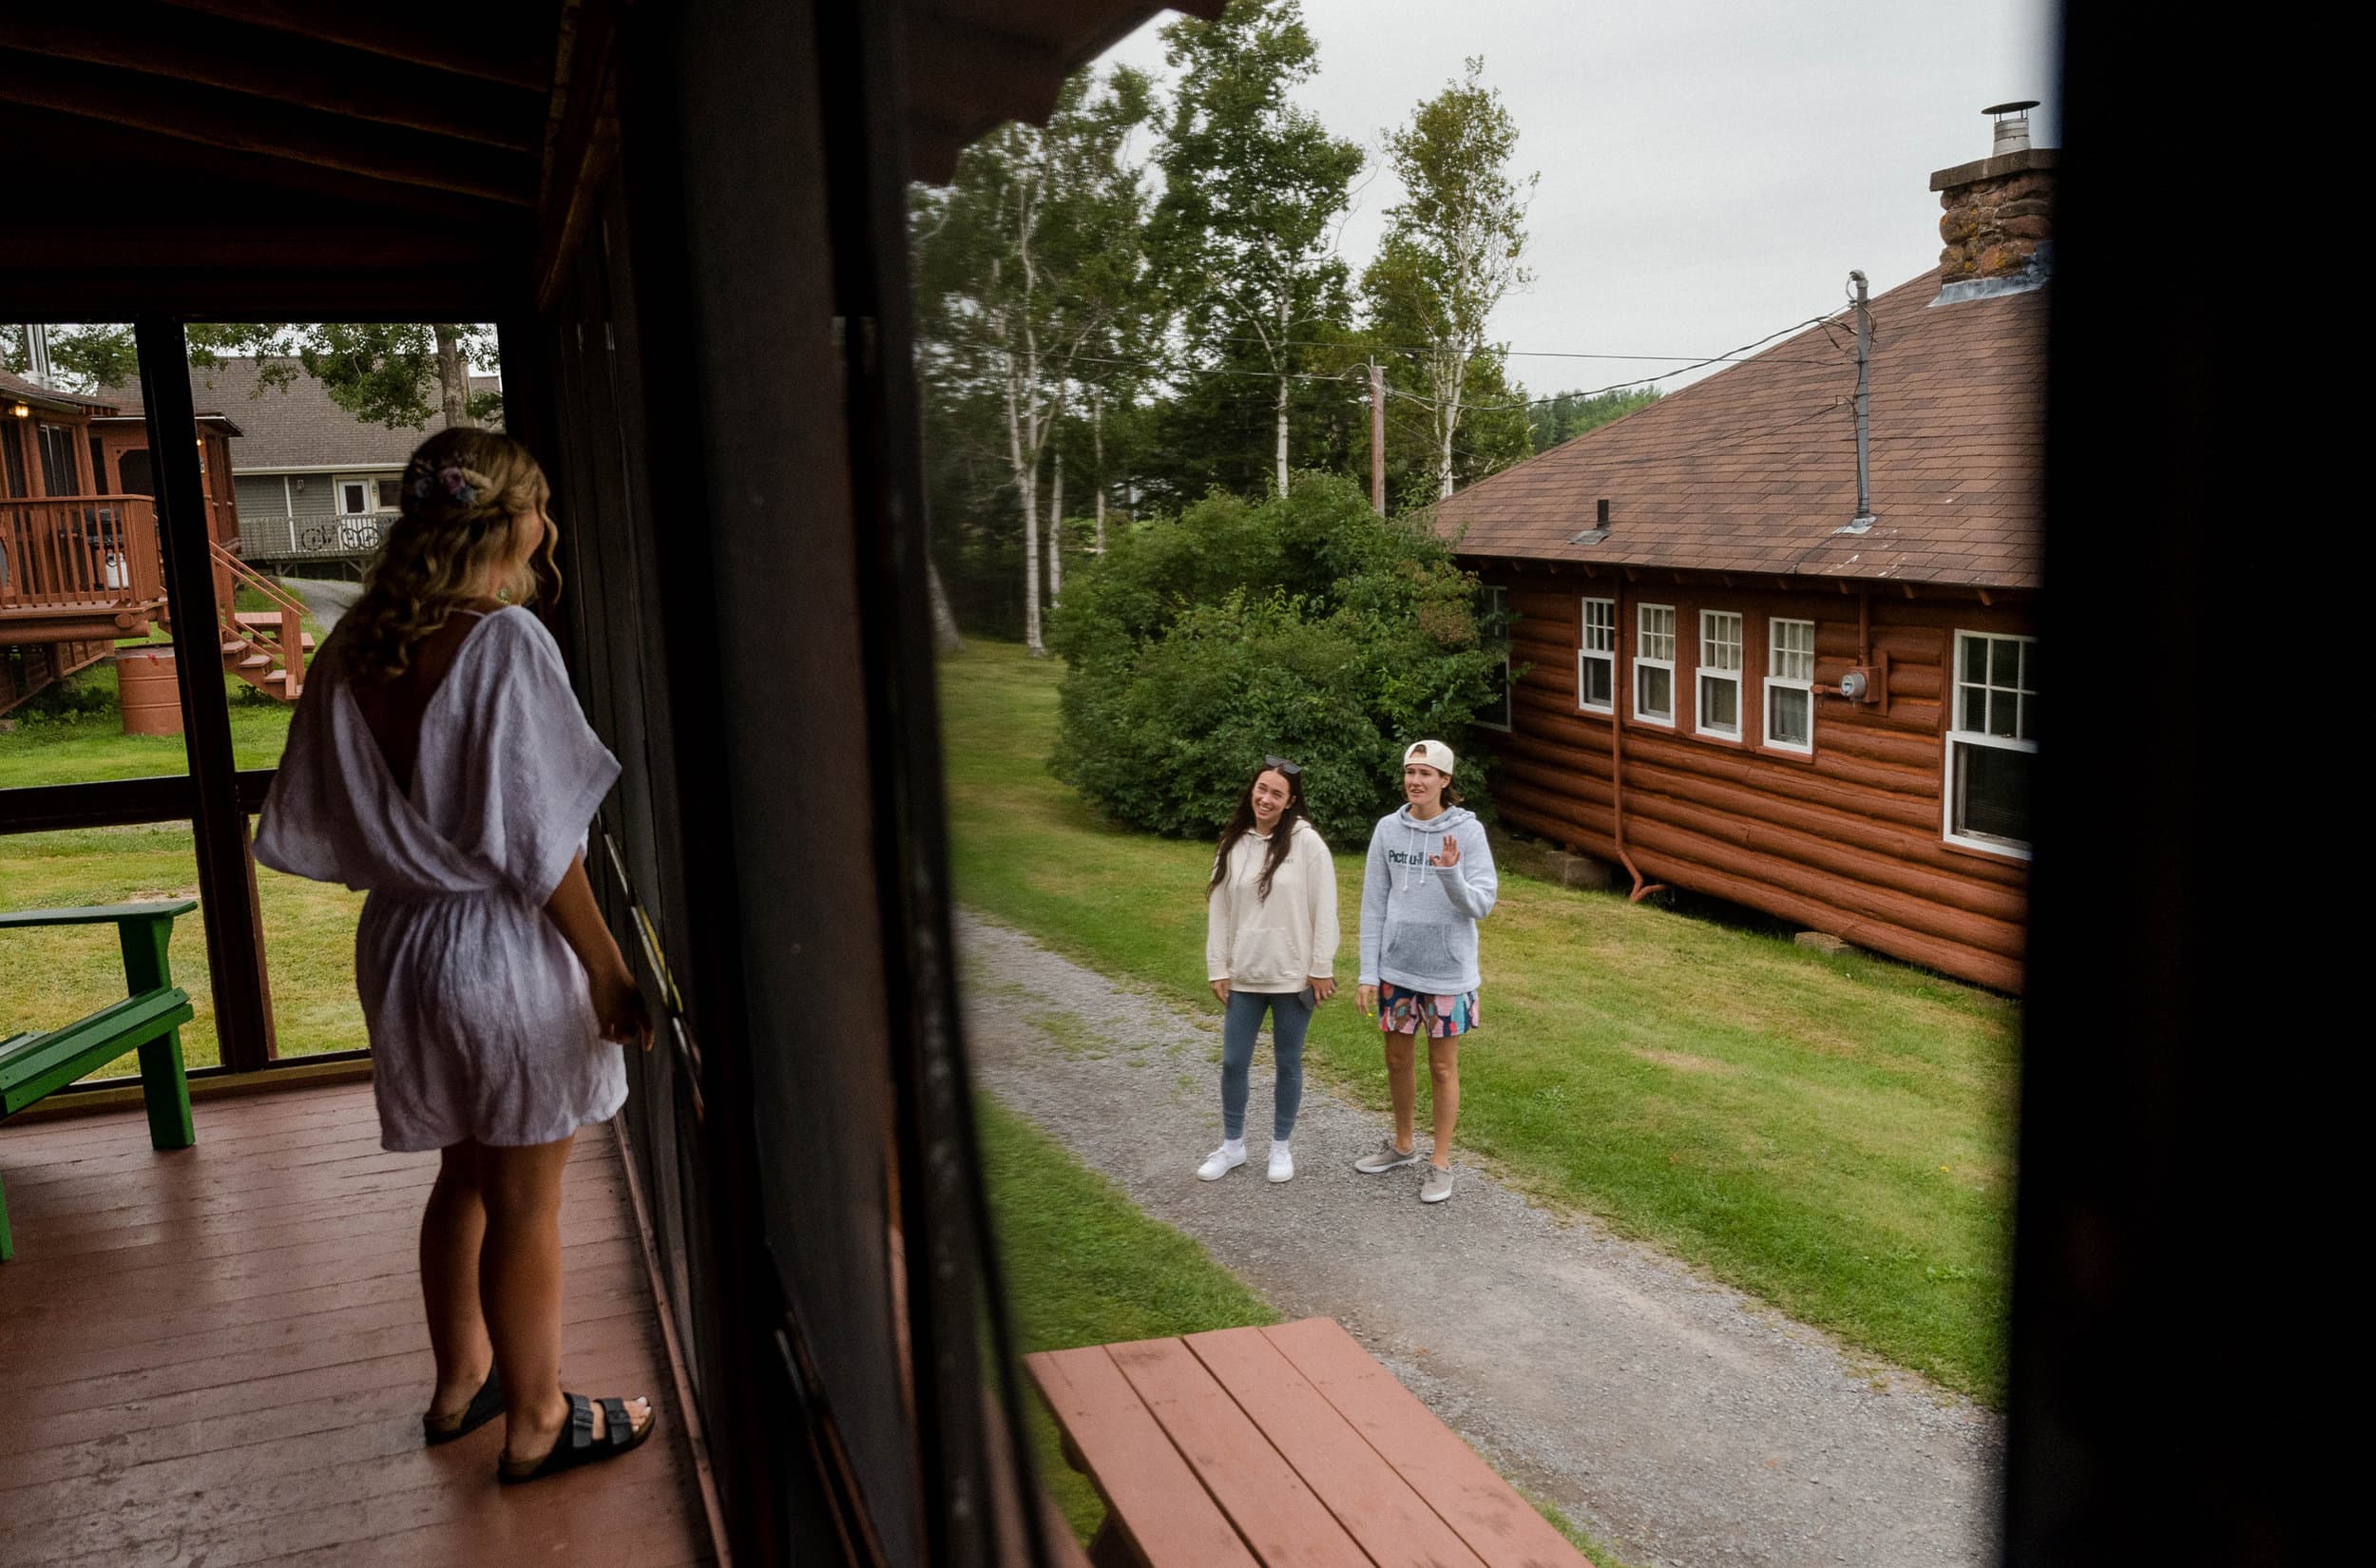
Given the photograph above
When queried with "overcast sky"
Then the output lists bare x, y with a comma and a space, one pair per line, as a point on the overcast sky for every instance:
1711, 171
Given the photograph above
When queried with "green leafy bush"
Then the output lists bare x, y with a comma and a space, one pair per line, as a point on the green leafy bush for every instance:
1303, 625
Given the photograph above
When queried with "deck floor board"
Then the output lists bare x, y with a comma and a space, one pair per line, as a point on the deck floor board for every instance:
216, 1355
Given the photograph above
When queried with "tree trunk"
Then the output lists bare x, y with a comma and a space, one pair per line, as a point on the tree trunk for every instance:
1027, 486
1097, 445
1283, 383
453, 377
1282, 435
1056, 532
946, 638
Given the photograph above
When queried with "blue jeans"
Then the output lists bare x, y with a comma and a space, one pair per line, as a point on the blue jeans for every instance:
1290, 1015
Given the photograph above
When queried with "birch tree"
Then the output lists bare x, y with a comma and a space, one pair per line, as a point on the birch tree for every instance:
1255, 190
1452, 249
1035, 247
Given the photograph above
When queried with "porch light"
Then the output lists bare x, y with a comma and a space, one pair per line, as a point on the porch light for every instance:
22, 412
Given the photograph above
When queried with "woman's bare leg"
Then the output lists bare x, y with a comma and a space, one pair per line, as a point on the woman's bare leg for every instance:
1402, 1082
452, 1228
519, 1289
1444, 1079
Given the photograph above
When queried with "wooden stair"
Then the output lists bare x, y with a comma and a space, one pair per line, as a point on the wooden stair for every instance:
266, 648
249, 653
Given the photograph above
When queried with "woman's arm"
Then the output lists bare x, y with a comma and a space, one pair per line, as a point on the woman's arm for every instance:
1470, 884
617, 1005
1320, 889
1218, 931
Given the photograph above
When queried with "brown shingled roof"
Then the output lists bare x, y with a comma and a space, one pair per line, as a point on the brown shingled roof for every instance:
14, 386
299, 427
1752, 470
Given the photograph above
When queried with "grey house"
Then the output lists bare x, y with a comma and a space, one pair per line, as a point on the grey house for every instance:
314, 482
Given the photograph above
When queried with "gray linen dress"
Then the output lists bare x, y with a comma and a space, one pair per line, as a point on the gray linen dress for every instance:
481, 1026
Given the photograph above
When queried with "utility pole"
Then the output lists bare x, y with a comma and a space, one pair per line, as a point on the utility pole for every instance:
1864, 518
1377, 438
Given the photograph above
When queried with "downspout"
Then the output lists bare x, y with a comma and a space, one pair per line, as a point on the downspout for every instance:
1617, 771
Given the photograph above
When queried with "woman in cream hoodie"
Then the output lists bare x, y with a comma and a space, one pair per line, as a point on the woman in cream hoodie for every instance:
1270, 945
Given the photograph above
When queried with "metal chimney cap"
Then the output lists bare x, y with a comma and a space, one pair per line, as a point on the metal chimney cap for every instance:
2017, 106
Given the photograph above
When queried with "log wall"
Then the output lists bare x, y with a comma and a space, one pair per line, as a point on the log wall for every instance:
1846, 840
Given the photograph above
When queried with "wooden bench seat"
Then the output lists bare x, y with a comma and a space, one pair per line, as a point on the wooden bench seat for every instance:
1256, 1448
148, 1021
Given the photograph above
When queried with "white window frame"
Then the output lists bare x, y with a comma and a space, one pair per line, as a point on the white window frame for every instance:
1496, 607
1958, 738
362, 481
1641, 640
1704, 670
1776, 682
1587, 650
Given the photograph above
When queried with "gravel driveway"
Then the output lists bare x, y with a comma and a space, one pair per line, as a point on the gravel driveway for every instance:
1671, 1416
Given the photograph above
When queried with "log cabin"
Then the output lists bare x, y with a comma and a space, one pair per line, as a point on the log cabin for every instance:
1774, 647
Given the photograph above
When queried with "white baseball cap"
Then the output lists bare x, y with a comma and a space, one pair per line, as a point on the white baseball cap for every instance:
1433, 752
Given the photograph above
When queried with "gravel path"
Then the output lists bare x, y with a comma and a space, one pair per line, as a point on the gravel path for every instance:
1671, 1416
328, 600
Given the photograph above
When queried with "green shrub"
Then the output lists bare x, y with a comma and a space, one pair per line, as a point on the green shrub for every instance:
1306, 626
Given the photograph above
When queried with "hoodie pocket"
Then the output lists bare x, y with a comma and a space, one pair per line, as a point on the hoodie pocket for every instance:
1422, 950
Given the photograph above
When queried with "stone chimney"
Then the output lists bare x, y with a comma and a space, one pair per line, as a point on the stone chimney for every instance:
1998, 217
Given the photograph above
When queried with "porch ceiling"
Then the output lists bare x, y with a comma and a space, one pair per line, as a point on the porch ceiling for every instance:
237, 156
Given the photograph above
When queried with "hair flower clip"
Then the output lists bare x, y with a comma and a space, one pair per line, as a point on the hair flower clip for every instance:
458, 485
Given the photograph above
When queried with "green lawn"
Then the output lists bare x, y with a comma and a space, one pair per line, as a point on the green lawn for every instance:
56, 976
1832, 1135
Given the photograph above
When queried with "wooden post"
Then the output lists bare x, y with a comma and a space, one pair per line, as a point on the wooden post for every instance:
226, 873
1377, 438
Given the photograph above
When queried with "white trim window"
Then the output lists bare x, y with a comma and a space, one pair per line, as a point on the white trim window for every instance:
1654, 663
355, 493
1790, 685
1596, 657
1990, 743
1719, 711
1493, 628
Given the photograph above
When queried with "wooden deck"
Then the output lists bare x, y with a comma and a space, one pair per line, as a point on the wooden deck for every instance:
216, 1355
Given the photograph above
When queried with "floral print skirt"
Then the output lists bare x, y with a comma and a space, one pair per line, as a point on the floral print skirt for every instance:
1403, 1012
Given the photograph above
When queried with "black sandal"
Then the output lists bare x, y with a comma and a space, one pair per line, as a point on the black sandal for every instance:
578, 1444
485, 1406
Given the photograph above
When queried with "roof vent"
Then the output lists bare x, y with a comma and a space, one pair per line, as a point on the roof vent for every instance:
1599, 531
2012, 126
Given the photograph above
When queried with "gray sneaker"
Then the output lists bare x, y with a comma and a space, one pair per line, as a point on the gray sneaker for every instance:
1437, 1187
1387, 1157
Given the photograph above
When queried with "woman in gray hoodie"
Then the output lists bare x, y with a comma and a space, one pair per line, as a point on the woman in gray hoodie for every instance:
1430, 879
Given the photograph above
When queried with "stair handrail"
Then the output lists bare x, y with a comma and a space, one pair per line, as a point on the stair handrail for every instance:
289, 650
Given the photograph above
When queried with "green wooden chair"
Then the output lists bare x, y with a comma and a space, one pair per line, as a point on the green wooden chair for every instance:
149, 1020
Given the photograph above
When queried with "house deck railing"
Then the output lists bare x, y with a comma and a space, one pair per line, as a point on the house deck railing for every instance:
79, 551
350, 536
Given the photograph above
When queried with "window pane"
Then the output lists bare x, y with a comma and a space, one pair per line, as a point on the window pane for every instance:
2004, 714
1719, 704
1992, 793
1975, 710
1656, 687
1596, 681
389, 498
1976, 659
1789, 724
2004, 661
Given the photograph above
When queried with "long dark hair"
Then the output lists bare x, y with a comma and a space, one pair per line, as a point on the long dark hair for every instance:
1241, 823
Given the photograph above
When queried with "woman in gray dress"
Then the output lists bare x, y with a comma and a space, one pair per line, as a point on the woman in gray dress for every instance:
439, 760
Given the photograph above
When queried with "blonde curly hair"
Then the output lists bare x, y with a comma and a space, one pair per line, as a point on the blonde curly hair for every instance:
461, 493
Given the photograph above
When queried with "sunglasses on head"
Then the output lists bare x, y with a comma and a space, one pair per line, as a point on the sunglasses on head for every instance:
1289, 768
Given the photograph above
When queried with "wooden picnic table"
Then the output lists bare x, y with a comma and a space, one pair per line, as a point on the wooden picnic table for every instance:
1264, 1447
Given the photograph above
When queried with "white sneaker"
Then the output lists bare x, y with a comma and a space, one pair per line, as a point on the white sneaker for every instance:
1221, 1161
1282, 1163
